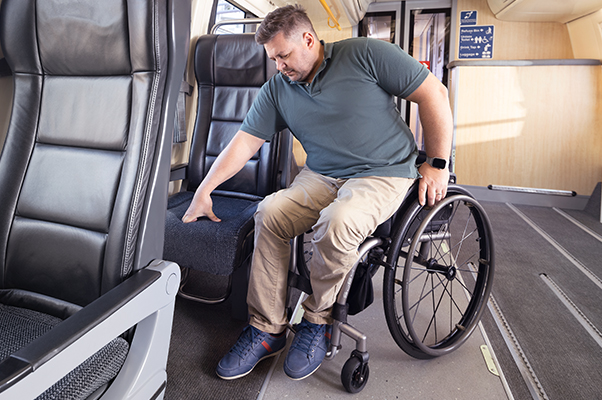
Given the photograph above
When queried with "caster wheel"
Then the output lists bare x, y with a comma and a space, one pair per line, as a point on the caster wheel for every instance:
354, 375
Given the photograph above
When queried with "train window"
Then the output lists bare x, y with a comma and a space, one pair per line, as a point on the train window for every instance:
225, 11
379, 25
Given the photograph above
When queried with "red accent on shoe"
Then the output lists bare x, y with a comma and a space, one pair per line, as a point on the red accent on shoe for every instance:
267, 346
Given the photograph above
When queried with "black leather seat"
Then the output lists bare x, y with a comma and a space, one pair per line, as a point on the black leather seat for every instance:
83, 190
230, 69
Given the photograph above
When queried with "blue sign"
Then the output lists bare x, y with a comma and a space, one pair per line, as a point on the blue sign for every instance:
476, 41
468, 17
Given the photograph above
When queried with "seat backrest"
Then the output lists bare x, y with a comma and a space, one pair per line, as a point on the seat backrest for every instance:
86, 152
230, 69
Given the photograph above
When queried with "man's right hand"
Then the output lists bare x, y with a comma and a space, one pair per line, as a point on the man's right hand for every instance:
231, 160
200, 206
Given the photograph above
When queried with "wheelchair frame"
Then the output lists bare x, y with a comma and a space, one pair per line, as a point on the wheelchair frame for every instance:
419, 249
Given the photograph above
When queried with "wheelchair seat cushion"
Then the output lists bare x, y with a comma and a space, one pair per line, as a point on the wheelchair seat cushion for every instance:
193, 246
20, 326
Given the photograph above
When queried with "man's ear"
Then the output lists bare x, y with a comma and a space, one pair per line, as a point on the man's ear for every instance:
309, 40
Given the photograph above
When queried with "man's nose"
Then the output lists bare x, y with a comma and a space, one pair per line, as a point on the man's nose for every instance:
280, 65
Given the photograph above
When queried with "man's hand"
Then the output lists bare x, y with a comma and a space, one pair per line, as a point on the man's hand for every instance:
231, 160
432, 187
200, 206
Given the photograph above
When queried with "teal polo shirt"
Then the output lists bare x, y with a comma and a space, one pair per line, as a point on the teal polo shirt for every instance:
346, 118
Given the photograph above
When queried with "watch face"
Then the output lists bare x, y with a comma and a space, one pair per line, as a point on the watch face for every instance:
439, 163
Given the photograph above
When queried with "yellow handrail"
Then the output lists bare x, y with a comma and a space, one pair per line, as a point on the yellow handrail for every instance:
331, 16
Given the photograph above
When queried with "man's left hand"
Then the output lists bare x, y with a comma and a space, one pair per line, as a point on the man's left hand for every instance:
432, 187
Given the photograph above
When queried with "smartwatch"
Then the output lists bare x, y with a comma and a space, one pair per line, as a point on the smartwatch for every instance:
436, 162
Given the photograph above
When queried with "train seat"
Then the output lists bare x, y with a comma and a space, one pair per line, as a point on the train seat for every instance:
86, 303
229, 69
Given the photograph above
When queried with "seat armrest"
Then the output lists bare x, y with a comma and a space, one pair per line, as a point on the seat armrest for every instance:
87, 331
178, 172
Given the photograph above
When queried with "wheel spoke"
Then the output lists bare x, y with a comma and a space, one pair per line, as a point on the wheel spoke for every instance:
470, 292
434, 317
475, 254
419, 301
451, 295
424, 295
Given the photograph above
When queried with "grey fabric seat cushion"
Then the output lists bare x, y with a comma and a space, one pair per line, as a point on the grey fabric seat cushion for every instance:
20, 326
208, 246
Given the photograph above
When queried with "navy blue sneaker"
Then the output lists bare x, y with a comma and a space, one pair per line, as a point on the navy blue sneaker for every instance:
307, 350
252, 346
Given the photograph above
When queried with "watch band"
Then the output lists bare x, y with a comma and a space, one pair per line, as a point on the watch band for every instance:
436, 162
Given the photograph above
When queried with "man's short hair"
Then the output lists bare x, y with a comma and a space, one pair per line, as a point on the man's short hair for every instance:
289, 20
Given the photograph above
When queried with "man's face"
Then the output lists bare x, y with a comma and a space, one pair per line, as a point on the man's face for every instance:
293, 57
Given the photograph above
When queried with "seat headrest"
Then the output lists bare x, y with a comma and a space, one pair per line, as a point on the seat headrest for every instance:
94, 37
232, 60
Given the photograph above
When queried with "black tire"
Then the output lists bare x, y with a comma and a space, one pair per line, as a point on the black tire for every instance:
392, 282
354, 376
434, 299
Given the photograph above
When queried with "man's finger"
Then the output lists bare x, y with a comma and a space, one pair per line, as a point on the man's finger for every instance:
432, 196
422, 192
191, 218
188, 218
213, 217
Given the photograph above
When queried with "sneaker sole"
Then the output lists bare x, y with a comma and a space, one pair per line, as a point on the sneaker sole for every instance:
229, 378
303, 377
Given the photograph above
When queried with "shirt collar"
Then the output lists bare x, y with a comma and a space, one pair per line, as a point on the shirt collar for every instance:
327, 50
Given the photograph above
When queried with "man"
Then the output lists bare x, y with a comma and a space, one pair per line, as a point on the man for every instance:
337, 99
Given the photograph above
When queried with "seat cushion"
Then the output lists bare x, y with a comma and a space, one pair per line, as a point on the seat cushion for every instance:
20, 326
214, 247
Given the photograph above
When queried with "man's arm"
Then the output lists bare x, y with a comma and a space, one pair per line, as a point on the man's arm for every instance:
231, 160
437, 123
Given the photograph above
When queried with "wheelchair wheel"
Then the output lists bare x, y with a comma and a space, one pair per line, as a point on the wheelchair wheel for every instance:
354, 375
442, 272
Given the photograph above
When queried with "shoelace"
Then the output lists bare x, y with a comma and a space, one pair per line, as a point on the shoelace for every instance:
308, 338
247, 341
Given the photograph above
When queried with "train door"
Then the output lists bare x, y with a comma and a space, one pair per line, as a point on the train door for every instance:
427, 39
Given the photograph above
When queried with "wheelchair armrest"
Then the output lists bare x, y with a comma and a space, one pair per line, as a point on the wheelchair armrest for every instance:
178, 172
78, 337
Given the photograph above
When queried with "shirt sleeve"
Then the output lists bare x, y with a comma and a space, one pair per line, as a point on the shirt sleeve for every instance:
263, 119
395, 70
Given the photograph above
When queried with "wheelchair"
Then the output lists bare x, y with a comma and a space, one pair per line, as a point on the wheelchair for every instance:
439, 267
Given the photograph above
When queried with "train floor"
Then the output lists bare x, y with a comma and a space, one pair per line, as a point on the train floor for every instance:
542, 329
546, 313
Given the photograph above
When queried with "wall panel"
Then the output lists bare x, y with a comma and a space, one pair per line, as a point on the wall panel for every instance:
521, 40
529, 126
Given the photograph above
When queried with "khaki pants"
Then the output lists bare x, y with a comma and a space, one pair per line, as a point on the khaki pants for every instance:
342, 213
